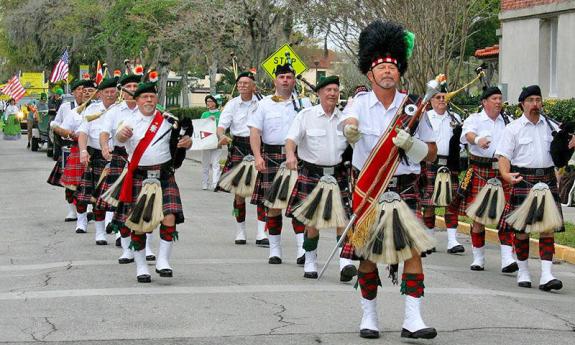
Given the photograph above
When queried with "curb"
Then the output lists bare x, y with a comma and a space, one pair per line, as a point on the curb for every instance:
562, 252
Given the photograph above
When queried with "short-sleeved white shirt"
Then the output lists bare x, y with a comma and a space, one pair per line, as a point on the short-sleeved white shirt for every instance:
442, 129
318, 139
374, 120
481, 124
526, 144
235, 116
156, 153
93, 128
273, 119
114, 117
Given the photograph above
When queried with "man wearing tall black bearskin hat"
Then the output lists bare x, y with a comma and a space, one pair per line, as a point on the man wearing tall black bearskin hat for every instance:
529, 147
235, 117
444, 172
115, 152
384, 47
482, 132
91, 155
269, 125
149, 190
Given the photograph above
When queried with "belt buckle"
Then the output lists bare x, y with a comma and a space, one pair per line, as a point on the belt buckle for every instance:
392, 182
153, 173
329, 171
495, 165
539, 172
442, 161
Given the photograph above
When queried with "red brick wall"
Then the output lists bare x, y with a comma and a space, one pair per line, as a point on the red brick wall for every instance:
518, 4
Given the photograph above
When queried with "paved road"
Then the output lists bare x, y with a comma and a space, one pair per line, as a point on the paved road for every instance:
59, 287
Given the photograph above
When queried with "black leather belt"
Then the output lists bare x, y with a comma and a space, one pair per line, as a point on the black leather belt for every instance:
484, 162
274, 148
320, 169
533, 171
161, 171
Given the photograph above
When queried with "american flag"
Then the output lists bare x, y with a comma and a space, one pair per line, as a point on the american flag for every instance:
14, 89
60, 71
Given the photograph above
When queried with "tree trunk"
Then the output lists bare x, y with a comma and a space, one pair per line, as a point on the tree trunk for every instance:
213, 70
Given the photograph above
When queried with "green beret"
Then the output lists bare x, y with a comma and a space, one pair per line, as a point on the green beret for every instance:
323, 82
75, 84
247, 74
108, 83
145, 88
130, 78
490, 91
88, 83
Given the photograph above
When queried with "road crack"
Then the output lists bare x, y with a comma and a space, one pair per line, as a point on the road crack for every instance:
279, 314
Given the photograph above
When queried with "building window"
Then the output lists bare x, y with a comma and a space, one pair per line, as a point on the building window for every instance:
553, 92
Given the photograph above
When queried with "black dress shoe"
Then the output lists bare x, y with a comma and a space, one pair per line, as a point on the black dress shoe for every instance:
524, 284
426, 333
433, 250
310, 275
456, 249
70, 219
347, 273
80, 231
476, 268
165, 272
263, 242
101, 243
423, 254
118, 242
144, 278
300, 260
553, 284
274, 260
123, 261
510, 268
368, 333
240, 242
150, 258
110, 228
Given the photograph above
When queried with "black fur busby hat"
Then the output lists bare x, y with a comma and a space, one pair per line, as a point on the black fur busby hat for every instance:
384, 41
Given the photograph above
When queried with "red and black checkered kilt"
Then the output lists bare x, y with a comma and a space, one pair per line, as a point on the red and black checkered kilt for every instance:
56, 174
73, 170
429, 173
87, 188
239, 148
171, 201
520, 190
308, 178
117, 164
408, 189
482, 172
273, 156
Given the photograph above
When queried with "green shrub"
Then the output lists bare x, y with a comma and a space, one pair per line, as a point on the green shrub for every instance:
558, 109
192, 113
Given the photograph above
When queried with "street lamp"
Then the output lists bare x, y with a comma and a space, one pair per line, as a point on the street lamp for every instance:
316, 63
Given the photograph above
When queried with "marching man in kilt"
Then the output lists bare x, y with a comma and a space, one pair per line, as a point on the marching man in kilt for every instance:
526, 162
483, 131
91, 156
447, 128
118, 157
269, 125
67, 139
320, 146
383, 51
149, 140
235, 117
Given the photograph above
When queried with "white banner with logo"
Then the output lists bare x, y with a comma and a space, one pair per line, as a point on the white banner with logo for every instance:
204, 137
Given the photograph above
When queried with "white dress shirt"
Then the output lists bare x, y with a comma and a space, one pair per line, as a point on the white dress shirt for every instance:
317, 137
374, 120
482, 125
93, 128
526, 144
155, 154
62, 111
273, 119
71, 120
114, 117
235, 116
442, 129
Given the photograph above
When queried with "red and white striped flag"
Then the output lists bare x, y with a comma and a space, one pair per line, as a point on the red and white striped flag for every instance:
60, 71
14, 89
99, 74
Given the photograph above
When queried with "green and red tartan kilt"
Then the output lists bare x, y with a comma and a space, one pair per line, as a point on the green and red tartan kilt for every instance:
481, 173
239, 148
429, 173
273, 156
308, 178
117, 164
171, 201
519, 193
408, 189
87, 188
56, 173
73, 170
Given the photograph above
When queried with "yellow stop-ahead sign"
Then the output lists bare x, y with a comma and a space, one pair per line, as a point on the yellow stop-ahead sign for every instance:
280, 58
